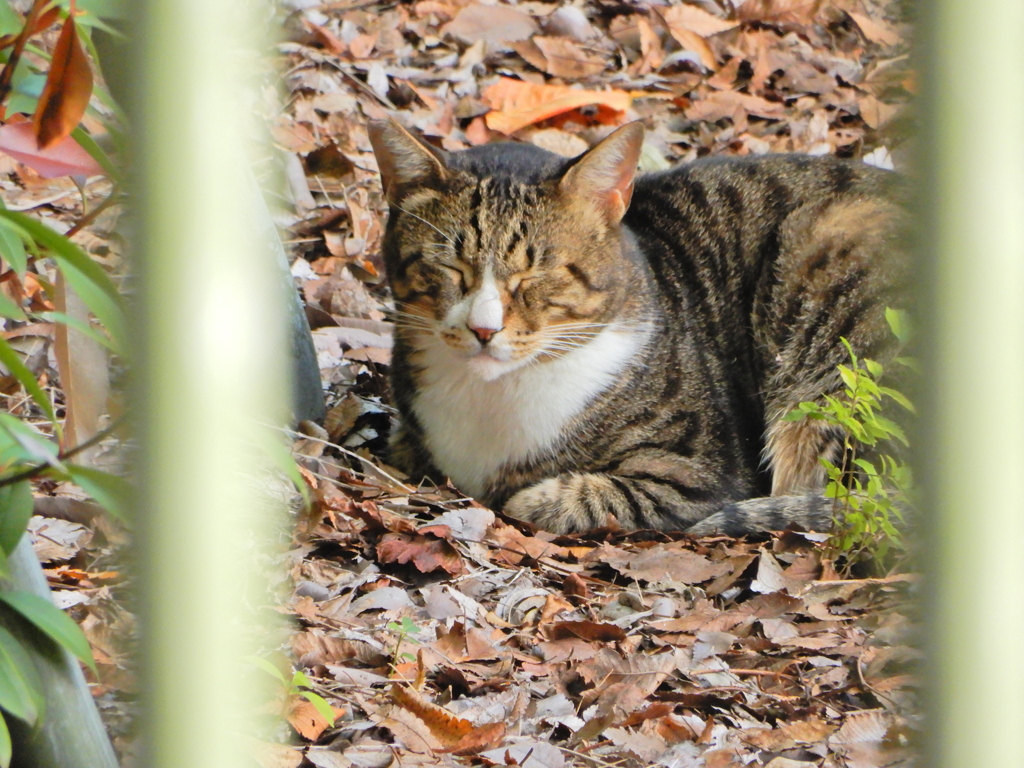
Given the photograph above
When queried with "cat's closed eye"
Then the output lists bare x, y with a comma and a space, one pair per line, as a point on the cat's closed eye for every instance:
460, 273
519, 283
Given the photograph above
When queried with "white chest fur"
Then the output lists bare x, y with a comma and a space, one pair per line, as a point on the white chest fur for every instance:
473, 427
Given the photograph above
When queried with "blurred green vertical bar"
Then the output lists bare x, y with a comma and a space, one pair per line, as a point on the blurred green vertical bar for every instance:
212, 364
973, 65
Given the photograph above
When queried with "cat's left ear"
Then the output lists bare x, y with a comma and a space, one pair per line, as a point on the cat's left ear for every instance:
604, 174
406, 162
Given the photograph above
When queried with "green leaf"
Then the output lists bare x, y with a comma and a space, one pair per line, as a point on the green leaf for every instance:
300, 679
10, 308
21, 691
12, 362
912, 363
12, 248
52, 621
111, 492
82, 327
849, 349
848, 376
899, 397
96, 153
15, 510
83, 274
33, 445
866, 465
899, 323
874, 368
892, 428
5, 745
325, 710
267, 667
10, 20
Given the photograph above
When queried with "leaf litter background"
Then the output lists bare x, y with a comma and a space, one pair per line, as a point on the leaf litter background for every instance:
440, 634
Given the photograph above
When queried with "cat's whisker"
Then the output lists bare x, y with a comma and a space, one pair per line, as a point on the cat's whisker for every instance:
432, 226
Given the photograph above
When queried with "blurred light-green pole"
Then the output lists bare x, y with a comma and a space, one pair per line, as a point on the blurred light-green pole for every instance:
973, 256
212, 369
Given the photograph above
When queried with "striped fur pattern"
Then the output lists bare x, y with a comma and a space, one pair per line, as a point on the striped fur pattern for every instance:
583, 348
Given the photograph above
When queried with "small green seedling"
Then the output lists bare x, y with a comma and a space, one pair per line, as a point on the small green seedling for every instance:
294, 687
403, 631
869, 495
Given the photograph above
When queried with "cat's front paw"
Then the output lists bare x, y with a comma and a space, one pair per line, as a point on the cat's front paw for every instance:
558, 505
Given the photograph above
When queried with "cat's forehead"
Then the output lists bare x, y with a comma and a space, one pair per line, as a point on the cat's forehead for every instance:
509, 164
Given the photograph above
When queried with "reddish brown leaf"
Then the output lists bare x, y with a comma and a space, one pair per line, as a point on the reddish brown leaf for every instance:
65, 158
67, 90
587, 630
425, 552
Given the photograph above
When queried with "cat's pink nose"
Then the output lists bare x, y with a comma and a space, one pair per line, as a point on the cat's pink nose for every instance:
484, 334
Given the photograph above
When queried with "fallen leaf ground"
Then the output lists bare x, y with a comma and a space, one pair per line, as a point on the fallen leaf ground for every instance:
440, 634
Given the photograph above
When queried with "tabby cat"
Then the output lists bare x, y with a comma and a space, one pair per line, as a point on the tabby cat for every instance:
581, 347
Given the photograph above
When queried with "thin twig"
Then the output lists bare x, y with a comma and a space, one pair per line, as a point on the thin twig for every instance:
90, 217
7, 76
31, 472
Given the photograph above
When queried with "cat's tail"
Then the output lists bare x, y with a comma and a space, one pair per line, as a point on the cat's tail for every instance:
768, 513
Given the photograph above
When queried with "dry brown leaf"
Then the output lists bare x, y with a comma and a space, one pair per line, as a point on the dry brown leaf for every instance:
269, 755
876, 31
874, 112
425, 552
671, 563
560, 142
67, 90
691, 41
696, 20
787, 736
720, 104
567, 59
362, 45
652, 55
796, 11
494, 24
84, 373
517, 104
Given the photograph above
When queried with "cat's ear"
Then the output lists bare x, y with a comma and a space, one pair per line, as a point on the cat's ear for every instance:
405, 161
604, 174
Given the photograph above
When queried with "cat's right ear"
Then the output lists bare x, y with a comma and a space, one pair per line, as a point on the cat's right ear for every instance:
603, 176
405, 161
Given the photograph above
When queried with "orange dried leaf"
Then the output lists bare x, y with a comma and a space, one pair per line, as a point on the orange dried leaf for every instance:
447, 728
67, 90
305, 718
517, 104
480, 739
